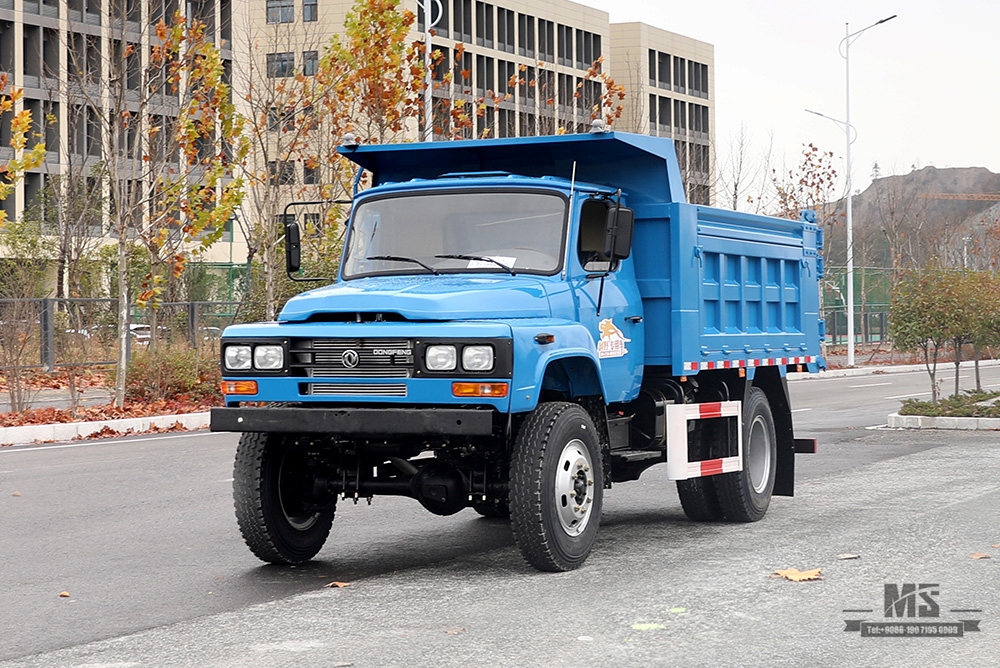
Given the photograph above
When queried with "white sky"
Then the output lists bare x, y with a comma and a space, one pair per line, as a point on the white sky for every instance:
925, 86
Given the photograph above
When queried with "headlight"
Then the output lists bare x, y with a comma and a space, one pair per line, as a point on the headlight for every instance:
477, 358
238, 358
268, 357
440, 358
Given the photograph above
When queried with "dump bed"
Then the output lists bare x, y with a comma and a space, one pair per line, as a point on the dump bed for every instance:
723, 289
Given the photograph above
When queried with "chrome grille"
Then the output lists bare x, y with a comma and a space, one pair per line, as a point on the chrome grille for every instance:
375, 358
358, 389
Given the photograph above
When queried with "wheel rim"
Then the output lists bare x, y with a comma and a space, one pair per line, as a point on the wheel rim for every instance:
291, 476
573, 495
759, 454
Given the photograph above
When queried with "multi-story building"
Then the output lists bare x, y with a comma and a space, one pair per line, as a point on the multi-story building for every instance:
532, 55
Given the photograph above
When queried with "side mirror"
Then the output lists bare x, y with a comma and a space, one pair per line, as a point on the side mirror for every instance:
293, 247
618, 232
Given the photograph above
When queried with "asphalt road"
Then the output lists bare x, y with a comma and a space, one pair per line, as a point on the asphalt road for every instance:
140, 533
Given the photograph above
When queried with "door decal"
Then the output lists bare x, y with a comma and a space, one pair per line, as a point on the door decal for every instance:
612, 342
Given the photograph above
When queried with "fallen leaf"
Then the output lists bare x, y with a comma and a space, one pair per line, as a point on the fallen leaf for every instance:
677, 611
585, 639
455, 632
995, 546
16, 494
647, 627
848, 555
795, 575
64, 594
979, 555
338, 585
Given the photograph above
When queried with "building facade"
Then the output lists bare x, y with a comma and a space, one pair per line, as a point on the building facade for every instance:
530, 58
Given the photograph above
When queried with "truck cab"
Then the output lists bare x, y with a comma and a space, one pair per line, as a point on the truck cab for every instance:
516, 326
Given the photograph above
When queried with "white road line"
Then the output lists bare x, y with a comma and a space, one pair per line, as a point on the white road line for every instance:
870, 385
84, 444
229, 480
911, 394
800, 410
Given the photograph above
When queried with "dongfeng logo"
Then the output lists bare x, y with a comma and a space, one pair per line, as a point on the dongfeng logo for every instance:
350, 358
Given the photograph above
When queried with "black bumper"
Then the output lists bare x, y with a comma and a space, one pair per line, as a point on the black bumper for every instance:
356, 421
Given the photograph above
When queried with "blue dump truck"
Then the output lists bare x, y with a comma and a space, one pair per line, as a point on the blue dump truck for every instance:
517, 325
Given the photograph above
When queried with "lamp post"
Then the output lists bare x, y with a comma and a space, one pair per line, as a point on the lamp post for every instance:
428, 7
846, 44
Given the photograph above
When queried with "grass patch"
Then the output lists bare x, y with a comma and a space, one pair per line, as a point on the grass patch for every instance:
958, 405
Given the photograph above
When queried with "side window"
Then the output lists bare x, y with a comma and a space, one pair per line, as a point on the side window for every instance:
590, 249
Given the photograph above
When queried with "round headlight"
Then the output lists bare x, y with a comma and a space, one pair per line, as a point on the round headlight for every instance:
268, 357
440, 358
477, 358
237, 358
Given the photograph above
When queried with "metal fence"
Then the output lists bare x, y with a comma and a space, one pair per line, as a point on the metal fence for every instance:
871, 325
49, 333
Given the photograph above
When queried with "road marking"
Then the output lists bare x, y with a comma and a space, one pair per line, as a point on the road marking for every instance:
870, 385
229, 480
800, 410
84, 444
911, 394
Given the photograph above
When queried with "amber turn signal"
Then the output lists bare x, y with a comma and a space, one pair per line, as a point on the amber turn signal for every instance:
479, 389
239, 387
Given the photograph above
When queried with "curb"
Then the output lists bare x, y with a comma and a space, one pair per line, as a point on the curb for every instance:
880, 370
897, 421
69, 431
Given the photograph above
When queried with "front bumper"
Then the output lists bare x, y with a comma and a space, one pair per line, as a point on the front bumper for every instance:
356, 421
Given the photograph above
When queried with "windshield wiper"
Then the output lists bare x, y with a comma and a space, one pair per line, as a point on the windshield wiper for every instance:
400, 258
481, 258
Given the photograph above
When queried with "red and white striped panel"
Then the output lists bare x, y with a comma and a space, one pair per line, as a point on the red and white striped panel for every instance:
736, 364
678, 416
713, 467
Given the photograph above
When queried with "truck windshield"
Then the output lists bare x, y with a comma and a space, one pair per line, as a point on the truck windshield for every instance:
507, 232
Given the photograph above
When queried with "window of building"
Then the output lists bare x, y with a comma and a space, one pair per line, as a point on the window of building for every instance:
652, 67
441, 27
462, 18
462, 74
484, 24
310, 10
485, 81
697, 79
526, 35
663, 117
280, 11
566, 91
313, 223
506, 77
281, 64
280, 173
680, 116
310, 63
546, 41
527, 86
506, 120
505, 30
679, 75
663, 70
484, 124
443, 65
545, 87
565, 35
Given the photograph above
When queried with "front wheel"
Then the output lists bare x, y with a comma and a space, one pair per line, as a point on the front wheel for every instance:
556, 487
278, 513
745, 495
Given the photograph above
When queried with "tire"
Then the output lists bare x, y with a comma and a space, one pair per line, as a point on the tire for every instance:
745, 495
493, 510
556, 487
279, 523
699, 497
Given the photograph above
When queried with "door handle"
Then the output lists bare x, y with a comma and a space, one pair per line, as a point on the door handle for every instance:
634, 319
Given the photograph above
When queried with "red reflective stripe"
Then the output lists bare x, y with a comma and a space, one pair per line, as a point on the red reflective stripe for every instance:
711, 467
710, 410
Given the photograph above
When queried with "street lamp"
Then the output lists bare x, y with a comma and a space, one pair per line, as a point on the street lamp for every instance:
846, 55
428, 7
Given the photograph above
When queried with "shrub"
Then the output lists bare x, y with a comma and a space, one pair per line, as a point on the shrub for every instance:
173, 372
970, 404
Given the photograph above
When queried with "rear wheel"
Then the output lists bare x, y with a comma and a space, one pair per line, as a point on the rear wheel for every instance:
698, 496
281, 519
556, 487
745, 495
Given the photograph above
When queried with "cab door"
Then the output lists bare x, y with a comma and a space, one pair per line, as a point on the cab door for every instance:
608, 304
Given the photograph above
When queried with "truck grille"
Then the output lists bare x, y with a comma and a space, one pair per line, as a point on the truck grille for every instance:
358, 389
353, 358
